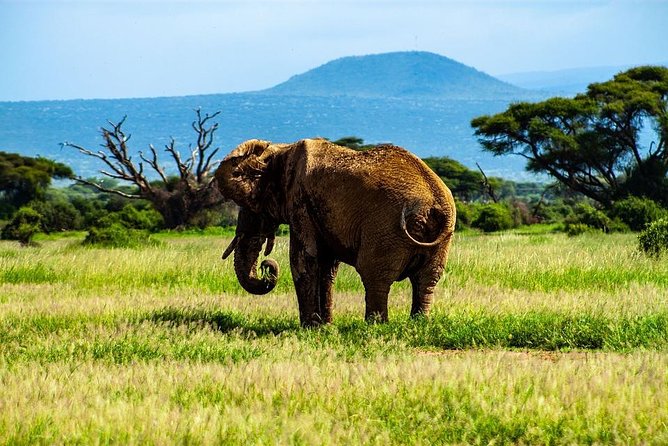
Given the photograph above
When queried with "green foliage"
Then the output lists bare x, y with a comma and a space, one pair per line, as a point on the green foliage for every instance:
465, 184
128, 228
116, 235
653, 241
590, 217
58, 213
637, 212
23, 226
574, 229
465, 214
591, 143
493, 217
353, 142
130, 217
23, 179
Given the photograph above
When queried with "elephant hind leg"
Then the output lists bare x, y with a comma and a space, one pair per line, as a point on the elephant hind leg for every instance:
376, 296
424, 282
424, 279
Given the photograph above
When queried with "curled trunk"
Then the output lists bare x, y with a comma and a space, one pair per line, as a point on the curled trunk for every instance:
246, 256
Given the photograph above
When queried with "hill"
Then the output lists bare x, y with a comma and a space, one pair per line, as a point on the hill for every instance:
421, 101
398, 75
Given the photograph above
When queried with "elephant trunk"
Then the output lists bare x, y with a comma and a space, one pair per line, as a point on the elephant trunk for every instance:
252, 232
245, 266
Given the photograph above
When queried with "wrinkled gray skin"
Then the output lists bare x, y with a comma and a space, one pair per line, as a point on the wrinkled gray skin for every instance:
383, 211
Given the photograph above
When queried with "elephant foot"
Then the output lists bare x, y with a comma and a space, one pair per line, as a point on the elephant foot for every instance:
312, 321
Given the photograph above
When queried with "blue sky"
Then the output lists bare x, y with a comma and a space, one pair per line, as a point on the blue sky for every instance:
65, 49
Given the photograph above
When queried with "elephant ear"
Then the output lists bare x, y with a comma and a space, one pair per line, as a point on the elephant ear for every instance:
252, 147
240, 174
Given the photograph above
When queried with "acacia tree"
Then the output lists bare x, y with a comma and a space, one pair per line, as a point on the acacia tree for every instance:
23, 179
179, 199
591, 143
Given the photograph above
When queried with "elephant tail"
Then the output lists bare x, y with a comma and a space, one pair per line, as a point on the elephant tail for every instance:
425, 229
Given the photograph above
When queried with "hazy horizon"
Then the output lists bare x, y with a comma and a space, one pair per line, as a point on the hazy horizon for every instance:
67, 49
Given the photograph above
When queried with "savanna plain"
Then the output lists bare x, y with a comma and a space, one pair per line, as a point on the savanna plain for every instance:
534, 338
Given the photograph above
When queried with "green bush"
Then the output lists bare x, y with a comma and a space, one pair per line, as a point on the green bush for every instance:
637, 212
58, 214
127, 228
585, 214
25, 223
465, 214
653, 241
493, 217
133, 218
574, 229
118, 236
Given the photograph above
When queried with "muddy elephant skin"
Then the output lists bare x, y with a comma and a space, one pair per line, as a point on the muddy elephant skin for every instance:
383, 211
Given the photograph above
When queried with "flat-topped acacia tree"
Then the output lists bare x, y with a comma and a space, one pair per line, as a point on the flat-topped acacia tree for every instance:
592, 143
181, 198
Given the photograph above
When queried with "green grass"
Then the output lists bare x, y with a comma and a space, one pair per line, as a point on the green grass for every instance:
535, 338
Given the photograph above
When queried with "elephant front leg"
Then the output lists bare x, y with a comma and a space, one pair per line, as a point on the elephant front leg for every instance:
328, 270
306, 275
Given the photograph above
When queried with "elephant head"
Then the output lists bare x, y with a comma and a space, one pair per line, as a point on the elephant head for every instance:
242, 177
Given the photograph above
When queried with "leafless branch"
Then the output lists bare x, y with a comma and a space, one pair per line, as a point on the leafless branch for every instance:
106, 189
153, 162
487, 186
179, 203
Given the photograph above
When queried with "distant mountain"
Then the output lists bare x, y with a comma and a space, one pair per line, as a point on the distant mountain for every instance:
570, 81
397, 75
421, 101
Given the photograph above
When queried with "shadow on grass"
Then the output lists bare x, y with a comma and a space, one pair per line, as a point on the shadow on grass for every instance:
534, 330
223, 321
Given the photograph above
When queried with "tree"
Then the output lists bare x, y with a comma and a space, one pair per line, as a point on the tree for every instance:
465, 184
23, 179
353, 142
591, 143
25, 223
179, 199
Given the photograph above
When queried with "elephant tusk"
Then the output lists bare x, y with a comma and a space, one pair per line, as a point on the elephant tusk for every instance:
233, 245
270, 244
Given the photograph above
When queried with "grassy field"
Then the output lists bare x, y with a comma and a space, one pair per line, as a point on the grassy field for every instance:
535, 338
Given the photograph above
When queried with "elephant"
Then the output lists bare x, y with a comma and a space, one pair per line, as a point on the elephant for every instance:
382, 210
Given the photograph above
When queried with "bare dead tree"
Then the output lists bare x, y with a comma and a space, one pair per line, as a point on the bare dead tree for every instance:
179, 199
487, 186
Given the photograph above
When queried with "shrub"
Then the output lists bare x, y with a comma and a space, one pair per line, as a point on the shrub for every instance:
573, 229
637, 212
58, 215
133, 218
585, 214
23, 226
464, 215
521, 213
592, 217
128, 228
653, 241
117, 236
493, 217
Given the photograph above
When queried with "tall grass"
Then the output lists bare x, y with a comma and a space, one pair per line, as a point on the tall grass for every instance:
534, 338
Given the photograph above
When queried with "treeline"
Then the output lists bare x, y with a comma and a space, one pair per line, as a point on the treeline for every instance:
28, 204
602, 176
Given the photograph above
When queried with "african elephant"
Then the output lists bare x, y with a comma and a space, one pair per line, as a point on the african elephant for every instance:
383, 211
